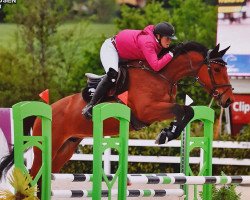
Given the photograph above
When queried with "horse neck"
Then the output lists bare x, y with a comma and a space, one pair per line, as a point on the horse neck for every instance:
183, 66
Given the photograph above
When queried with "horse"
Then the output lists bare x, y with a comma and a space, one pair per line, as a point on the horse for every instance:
151, 97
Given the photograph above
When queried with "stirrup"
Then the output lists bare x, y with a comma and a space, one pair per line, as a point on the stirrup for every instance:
87, 111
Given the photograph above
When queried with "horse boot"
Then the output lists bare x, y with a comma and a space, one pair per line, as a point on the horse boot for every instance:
168, 134
102, 89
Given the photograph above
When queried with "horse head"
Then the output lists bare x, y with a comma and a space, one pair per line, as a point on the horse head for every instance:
207, 66
214, 78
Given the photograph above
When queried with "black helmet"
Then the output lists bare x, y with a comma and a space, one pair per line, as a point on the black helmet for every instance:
165, 29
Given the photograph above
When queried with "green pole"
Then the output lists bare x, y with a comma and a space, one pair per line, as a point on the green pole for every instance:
43, 111
120, 143
206, 115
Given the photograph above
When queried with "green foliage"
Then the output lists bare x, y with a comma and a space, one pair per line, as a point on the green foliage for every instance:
233, 153
196, 131
225, 193
38, 23
190, 19
105, 10
132, 18
76, 52
14, 75
51, 57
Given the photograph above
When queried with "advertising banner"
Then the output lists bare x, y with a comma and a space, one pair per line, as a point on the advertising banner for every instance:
231, 2
233, 30
240, 109
240, 112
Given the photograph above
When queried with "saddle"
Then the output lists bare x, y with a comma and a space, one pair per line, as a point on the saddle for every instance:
93, 81
121, 87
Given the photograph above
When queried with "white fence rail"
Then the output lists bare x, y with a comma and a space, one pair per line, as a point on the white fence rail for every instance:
108, 157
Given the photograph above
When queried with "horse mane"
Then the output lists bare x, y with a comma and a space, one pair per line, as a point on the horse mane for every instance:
185, 47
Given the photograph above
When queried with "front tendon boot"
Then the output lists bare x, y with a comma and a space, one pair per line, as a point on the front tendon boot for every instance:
102, 89
168, 134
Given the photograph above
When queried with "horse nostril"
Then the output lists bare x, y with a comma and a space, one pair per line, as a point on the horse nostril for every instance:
228, 102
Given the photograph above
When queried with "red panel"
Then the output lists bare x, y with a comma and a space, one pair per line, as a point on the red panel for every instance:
240, 109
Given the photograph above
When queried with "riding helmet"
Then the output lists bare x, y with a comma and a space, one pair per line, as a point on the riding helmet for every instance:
165, 29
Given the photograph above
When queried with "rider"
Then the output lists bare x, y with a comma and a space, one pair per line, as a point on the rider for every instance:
132, 45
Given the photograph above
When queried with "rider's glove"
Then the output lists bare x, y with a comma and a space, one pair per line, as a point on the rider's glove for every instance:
171, 54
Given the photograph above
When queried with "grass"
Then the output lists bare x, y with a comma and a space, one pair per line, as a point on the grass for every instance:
8, 31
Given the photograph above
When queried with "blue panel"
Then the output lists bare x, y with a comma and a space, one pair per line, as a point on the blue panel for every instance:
238, 64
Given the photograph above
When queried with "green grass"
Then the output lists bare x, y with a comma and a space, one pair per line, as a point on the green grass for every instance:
8, 31
7, 34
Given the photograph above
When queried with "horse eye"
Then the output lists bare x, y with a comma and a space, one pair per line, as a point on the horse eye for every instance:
217, 69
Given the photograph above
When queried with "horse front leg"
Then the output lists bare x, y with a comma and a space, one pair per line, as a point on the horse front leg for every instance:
183, 115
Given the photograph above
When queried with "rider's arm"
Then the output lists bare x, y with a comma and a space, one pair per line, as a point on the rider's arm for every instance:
150, 54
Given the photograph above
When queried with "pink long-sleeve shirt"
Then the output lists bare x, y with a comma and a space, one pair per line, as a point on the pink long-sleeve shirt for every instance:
141, 45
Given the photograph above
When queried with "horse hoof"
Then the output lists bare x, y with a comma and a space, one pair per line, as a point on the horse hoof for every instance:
162, 137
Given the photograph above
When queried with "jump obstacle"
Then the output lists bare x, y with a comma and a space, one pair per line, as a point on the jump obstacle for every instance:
121, 113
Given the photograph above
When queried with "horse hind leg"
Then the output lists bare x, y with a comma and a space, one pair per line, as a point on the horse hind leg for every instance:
61, 153
64, 153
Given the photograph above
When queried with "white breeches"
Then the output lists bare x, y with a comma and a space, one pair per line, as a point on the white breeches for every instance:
109, 56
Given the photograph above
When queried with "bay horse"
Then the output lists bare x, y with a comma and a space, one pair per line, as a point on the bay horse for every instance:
151, 97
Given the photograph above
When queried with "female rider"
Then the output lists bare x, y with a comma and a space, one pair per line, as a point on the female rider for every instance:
129, 44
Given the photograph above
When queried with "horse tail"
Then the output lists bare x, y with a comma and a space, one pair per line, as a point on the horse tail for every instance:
8, 161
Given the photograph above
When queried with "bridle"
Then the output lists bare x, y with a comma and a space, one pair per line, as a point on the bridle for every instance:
214, 91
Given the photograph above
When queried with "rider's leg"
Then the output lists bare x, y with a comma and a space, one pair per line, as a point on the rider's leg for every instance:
102, 89
109, 58
183, 115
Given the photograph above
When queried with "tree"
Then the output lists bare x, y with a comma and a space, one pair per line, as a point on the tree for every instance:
105, 10
37, 21
190, 18
46, 56
134, 18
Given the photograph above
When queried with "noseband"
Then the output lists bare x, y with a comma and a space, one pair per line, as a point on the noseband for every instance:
214, 91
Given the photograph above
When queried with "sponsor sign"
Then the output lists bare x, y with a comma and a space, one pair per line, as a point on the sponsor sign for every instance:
240, 112
231, 2
233, 29
238, 64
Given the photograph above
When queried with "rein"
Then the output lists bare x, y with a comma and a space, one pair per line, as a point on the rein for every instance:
144, 67
207, 61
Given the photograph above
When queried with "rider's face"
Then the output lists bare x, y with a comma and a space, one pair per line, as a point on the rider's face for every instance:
165, 41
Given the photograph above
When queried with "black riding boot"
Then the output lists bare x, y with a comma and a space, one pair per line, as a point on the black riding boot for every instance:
102, 89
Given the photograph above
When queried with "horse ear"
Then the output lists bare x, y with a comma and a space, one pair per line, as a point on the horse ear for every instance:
215, 51
222, 52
